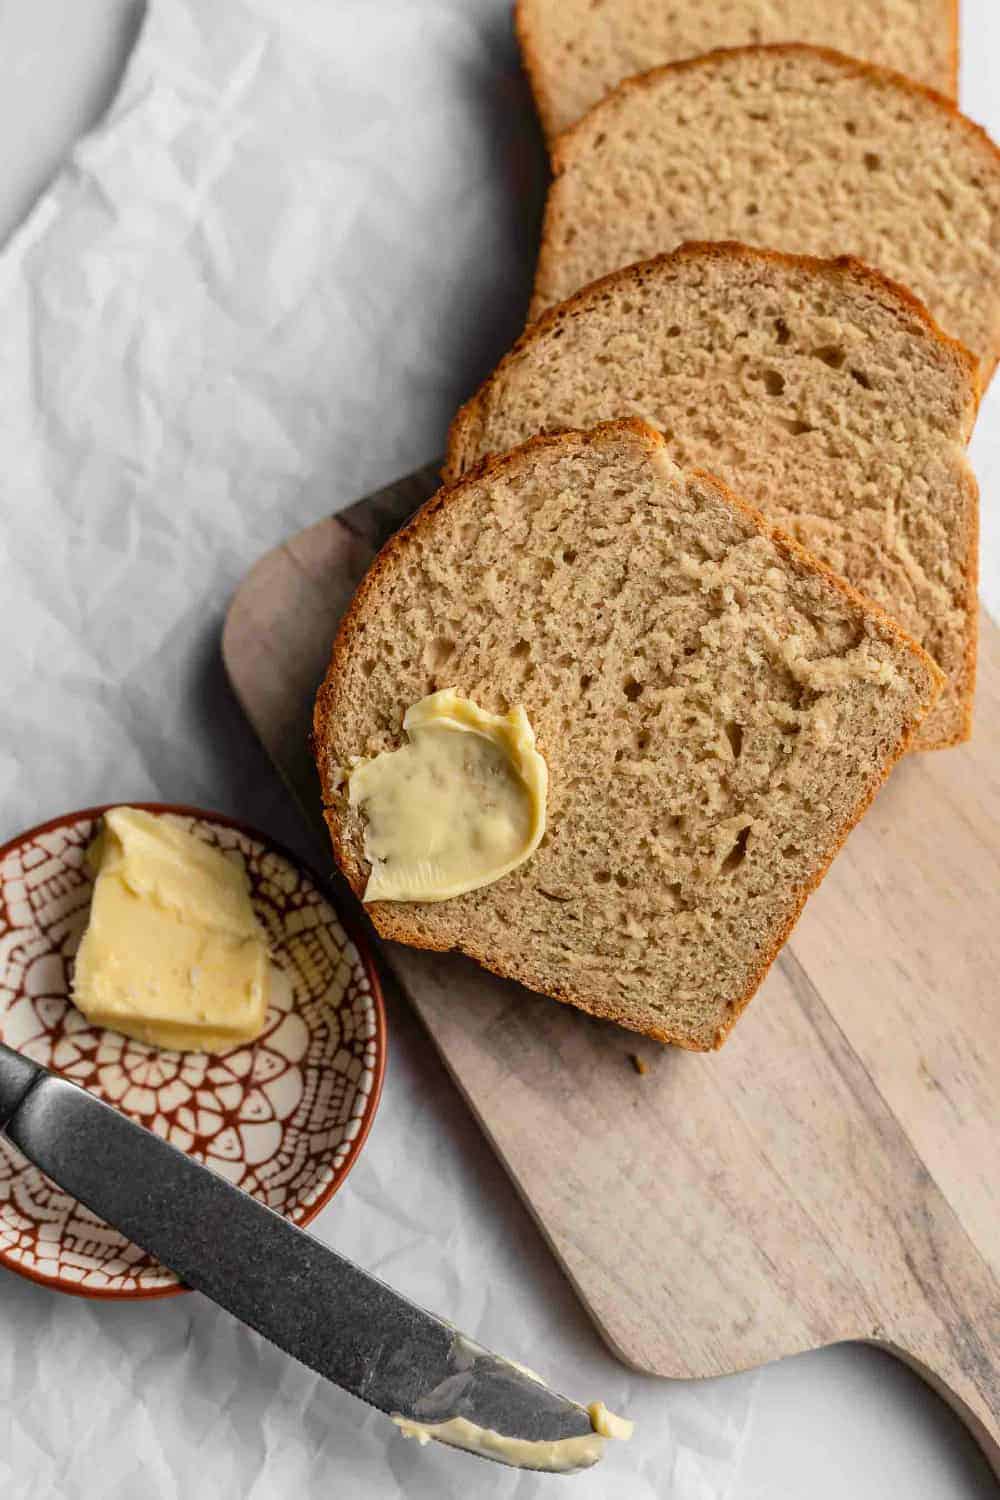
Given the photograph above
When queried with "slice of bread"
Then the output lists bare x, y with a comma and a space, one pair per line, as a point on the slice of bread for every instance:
820, 391
716, 710
791, 148
575, 51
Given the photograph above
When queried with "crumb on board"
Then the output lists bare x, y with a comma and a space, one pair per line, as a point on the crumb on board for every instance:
638, 1063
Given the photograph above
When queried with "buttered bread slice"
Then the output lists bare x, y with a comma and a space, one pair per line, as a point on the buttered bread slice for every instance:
790, 148
714, 708
576, 52
818, 390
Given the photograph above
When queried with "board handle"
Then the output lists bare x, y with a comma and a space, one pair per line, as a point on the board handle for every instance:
973, 1397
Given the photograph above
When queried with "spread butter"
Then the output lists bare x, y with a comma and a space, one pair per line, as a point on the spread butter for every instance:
459, 805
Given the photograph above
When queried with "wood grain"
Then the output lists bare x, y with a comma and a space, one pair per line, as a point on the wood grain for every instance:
830, 1174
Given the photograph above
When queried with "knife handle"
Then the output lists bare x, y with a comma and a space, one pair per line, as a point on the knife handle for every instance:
18, 1076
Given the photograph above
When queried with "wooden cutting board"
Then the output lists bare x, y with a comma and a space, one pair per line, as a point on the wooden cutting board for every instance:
834, 1172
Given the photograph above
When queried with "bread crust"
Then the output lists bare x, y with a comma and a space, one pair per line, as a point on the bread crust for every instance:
463, 435
565, 145
734, 251
391, 919
531, 56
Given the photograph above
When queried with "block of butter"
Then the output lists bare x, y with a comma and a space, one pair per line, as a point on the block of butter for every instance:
173, 953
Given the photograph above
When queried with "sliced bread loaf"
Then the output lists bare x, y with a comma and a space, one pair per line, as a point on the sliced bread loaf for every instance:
820, 391
576, 51
791, 148
715, 708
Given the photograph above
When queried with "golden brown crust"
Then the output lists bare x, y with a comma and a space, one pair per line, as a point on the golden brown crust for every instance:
536, 74
531, 58
881, 74
847, 266
391, 918
563, 146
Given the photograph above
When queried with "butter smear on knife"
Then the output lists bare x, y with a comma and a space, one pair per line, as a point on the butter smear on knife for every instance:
561, 1456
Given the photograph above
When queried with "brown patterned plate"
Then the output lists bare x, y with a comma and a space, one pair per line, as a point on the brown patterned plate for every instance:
284, 1117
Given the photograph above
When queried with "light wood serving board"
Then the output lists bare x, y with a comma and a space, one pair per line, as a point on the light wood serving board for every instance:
834, 1172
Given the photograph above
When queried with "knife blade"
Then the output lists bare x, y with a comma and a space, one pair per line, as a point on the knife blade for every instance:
311, 1302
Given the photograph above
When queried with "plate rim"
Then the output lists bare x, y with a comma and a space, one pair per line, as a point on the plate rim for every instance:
351, 927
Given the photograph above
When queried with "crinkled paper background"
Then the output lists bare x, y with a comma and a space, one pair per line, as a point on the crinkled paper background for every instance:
257, 291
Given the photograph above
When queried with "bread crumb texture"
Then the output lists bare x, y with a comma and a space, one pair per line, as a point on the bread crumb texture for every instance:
576, 51
715, 710
818, 390
791, 148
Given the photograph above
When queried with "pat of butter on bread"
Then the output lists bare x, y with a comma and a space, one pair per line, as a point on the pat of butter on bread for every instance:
461, 804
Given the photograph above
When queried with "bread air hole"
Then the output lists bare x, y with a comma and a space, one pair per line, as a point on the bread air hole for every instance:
873, 161
830, 355
781, 332
774, 383
737, 853
632, 688
439, 652
734, 734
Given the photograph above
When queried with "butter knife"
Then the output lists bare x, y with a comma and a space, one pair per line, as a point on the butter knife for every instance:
309, 1301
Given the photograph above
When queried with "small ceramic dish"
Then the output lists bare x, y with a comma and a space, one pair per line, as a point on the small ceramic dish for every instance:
284, 1117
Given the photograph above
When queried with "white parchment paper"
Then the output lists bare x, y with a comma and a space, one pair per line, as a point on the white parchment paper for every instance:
258, 290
